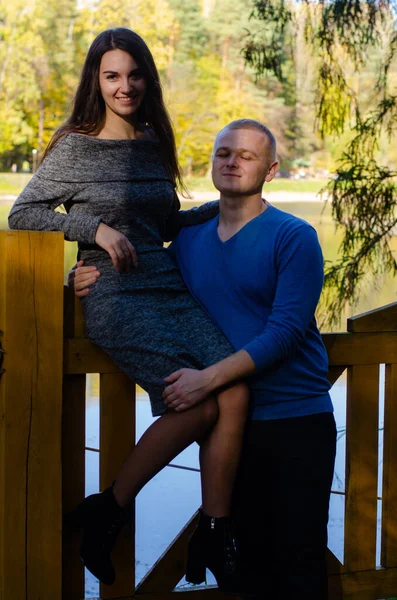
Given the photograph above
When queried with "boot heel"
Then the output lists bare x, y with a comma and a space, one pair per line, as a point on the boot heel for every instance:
195, 570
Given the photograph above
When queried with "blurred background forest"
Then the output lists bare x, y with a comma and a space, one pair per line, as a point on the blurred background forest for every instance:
197, 45
321, 75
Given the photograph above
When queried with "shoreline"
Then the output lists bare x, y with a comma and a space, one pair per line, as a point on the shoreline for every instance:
271, 196
201, 197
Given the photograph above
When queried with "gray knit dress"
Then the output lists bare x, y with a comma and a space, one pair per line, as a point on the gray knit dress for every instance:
146, 319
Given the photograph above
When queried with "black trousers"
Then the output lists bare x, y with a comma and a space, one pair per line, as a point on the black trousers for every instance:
281, 506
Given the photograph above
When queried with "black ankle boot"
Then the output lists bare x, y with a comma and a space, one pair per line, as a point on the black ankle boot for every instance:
101, 520
213, 546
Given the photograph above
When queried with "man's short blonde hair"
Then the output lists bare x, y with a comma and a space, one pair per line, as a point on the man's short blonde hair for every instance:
252, 124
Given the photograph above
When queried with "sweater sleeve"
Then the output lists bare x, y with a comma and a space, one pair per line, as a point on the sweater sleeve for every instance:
35, 209
183, 218
300, 275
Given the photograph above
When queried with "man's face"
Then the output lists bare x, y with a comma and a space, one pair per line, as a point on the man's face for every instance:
241, 162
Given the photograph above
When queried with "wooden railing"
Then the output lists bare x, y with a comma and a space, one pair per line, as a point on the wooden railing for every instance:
42, 440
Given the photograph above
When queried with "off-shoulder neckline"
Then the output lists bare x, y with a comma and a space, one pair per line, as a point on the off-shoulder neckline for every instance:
104, 140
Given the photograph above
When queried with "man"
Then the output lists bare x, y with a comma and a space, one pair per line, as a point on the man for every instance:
258, 272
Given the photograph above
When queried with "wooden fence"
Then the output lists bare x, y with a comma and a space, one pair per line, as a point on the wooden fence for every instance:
42, 440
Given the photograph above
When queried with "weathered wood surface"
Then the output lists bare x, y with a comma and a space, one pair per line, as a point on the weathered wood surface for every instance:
73, 479
31, 315
117, 437
81, 356
170, 567
363, 585
389, 483
380, 319
31, 275
361, 467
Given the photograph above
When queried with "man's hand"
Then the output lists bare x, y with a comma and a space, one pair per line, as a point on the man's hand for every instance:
187, 388
118, 246
80, 278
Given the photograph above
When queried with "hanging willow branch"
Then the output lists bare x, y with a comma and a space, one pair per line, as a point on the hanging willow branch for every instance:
363, 193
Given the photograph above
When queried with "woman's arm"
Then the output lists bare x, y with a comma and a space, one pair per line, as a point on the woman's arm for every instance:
35, 209
183, 218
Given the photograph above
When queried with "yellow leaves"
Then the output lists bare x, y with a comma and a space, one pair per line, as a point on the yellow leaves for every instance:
13, 130
201, 102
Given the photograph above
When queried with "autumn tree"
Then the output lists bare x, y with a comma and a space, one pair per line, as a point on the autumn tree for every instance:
36, 70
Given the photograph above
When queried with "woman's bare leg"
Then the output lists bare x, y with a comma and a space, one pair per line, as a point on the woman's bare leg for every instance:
220, 451
160, 443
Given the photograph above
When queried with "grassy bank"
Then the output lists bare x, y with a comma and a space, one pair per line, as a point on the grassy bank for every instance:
13, 183
4, 210
204, 184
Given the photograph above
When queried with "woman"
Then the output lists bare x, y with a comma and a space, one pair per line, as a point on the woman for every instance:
113, 166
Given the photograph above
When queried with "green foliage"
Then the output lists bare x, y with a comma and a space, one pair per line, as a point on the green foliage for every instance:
189, 33
199, 57
346, 36
269, 48
302, 63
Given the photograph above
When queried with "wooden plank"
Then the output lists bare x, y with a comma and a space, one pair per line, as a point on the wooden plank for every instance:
334, 373
196, 593
379, 319
73, 315
364, 585
170, 567
31, 415
361, 467
73, 480
334, 566
117, 439
389, 484
14, 436
360, 348
82, 356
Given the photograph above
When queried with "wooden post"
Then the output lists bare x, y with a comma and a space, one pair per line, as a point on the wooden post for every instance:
73, 453
31, 317
361, 467
389, 483
117, 439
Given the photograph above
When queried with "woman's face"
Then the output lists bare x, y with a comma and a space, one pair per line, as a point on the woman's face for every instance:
121, 83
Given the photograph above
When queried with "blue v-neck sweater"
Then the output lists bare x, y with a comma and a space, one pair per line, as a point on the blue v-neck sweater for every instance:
261, 287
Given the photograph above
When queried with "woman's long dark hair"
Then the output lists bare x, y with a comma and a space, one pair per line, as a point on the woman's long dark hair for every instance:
89, 111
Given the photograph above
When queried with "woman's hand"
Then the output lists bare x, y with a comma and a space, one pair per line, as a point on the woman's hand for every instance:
187, 388
80, 278
118, 246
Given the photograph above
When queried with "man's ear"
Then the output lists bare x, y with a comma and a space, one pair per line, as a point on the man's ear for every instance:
271, 171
